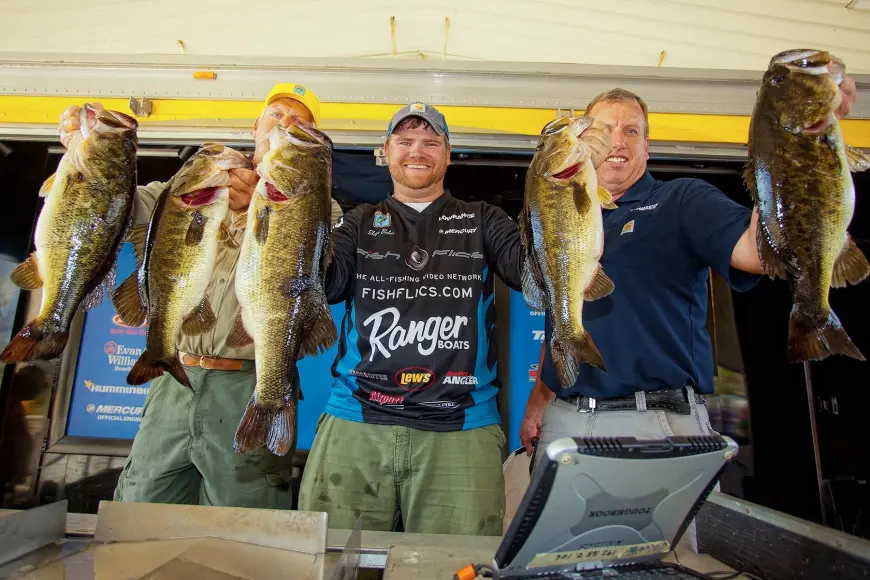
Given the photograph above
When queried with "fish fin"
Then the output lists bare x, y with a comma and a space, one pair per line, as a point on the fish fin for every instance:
202, 319
851, 265
238, 336
569, 353
261, 426
47, 185
327, 252
772, 265
31, 343
261, 225
111, 277
128, 302
136, 236
93, 298
581, 197
749, 180
605, 198
26, 274
810, 340
146, 370
322, 335
531, 291
858, 160
226, 236
600, 286
532, 280
196, 229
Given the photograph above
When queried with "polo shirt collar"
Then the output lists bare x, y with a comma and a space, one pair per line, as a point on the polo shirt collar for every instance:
639, 190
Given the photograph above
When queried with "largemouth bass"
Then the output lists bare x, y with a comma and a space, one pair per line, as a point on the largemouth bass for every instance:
562, 231
177, 249
799, 177
279, 281
88, 203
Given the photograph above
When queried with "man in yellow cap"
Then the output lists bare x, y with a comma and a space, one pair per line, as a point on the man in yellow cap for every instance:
183, 452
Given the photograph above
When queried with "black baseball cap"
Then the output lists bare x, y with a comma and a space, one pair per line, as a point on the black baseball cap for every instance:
427, 112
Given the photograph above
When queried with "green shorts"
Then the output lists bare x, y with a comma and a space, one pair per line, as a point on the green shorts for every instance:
442, 482
183, 452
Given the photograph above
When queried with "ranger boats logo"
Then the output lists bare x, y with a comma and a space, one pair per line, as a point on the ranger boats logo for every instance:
415, 378
434, 332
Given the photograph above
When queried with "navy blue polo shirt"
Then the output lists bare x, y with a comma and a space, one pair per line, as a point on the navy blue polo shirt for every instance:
651, 330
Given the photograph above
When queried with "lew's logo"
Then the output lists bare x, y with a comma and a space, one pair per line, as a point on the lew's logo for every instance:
382, 399
415, 378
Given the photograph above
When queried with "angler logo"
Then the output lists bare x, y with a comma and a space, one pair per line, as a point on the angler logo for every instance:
382, 220
415, 378
459, 378
434, 332
456, 216
383, 399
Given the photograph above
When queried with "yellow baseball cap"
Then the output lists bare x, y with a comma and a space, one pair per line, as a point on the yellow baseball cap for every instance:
297, 93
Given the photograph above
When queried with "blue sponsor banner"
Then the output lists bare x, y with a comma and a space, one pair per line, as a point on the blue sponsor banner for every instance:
526, 337
104, 406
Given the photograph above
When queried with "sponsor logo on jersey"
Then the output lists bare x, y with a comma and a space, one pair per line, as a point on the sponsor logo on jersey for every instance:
439, 404
414, 293
384, 399
458, 231
455, 254
382, 220
417, 259
459, 378
645, 207
434, 332
455, 216
415, 378
376, 233
370, 376
377, 255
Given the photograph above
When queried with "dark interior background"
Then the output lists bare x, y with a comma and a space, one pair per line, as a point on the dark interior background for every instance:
784, 469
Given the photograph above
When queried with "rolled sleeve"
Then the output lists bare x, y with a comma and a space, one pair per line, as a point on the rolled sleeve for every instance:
711, 224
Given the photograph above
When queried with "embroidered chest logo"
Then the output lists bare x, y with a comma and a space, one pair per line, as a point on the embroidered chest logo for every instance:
627, 228
382, 220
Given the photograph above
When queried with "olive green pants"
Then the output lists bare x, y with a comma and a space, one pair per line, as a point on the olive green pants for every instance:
442, 483
183, 452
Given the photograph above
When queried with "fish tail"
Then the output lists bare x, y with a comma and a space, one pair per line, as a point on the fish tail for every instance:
34, 343
818, 337
147, 369
569, 353
264, 426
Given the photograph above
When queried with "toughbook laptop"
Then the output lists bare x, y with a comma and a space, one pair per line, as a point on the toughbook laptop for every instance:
610, 507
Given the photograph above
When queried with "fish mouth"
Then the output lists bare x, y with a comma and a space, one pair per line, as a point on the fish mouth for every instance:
811, 62
99, 120
225, 158
568, 172
274, 194
299, 136
201, 197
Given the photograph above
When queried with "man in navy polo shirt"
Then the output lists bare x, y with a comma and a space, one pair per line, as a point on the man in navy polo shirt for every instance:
651, 331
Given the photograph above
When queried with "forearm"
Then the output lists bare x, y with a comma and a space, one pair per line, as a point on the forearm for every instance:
540, 396
745, 255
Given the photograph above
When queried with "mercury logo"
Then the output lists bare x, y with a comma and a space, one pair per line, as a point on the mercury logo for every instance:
92, 408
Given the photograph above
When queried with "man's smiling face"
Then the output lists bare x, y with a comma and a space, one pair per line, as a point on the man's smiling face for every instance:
626, 163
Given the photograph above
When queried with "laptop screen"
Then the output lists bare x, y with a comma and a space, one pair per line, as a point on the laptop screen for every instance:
596, 503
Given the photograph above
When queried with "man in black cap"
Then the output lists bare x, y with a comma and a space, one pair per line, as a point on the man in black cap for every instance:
412, 425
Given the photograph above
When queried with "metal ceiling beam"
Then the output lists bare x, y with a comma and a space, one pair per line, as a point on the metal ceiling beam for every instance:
491, 84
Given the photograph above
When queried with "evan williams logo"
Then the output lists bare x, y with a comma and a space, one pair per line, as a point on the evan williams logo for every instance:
382, 399
415, 378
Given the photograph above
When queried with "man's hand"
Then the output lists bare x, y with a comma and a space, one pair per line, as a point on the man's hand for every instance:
849, 93
242, 188
530, 430
70, 123
598, 138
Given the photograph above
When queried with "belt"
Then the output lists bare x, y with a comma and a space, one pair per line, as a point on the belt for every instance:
673, 400
214, 363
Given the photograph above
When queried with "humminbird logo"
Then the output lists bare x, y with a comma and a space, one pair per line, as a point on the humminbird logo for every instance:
116, 390
615, 513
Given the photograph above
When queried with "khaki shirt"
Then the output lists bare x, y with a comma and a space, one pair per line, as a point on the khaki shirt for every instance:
221, 291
